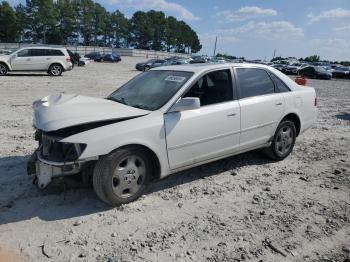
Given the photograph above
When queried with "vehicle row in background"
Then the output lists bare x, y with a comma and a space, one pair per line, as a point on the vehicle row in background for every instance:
109, 57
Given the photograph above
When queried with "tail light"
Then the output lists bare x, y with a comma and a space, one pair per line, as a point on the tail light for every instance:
315, 102
68, 59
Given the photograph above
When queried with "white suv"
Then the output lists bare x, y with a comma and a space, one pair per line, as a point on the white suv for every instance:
51, 60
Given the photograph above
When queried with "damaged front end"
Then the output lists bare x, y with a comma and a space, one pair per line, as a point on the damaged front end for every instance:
54, 158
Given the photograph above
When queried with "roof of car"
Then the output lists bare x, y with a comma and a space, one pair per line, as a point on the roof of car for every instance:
42, 47
200, 67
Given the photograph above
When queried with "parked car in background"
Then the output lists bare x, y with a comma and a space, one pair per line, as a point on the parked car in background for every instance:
279, 67
152, 63
54, 61
293, 68
112, 57
199, 59
316, 72
93, 55
341, 72
5, 52
166, 120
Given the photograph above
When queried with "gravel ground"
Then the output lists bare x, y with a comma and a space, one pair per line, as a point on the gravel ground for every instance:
243, 208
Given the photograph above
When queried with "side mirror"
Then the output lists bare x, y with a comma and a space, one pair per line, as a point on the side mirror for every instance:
186, 103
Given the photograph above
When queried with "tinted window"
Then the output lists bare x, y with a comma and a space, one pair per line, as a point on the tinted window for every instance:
212, 88
54, 52
23, 53
279, 85
254, 82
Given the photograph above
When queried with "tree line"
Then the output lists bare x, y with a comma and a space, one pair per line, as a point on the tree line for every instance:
89, 23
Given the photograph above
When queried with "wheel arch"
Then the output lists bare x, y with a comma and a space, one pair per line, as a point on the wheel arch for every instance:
156, 174
6, 64
56, 63
295, 119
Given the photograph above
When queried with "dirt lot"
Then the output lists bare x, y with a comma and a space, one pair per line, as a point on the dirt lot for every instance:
244, 208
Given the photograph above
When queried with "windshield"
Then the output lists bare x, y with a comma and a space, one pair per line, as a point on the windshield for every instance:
150, 90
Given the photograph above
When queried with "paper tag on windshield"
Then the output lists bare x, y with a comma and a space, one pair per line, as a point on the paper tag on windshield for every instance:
178, 79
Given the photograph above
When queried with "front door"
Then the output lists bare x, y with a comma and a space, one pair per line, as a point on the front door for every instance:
213, 130
21, 60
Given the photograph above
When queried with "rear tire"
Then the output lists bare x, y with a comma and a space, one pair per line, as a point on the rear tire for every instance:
3, 69
55, 70
122, 176
283, 141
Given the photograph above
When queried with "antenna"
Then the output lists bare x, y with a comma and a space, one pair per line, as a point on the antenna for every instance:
216, 40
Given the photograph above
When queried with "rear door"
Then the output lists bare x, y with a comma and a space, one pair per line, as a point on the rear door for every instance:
39, 59
262, 106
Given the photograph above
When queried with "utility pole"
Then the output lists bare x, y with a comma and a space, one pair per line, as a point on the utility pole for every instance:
216, 40
274, 53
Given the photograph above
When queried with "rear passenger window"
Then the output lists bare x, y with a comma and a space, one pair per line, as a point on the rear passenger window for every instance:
279, 85
254, 82
213, 88
54, 52
37, 52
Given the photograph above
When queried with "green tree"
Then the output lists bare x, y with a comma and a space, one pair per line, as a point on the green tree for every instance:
85, 11
41, 17
8, 23
313, 58
119, 26
141, 31
67, 23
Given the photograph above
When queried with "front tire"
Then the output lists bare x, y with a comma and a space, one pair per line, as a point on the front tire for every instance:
283, 141
3, 69
122, 176
55, 70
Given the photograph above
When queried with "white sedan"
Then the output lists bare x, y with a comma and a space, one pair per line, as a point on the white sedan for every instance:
166, 120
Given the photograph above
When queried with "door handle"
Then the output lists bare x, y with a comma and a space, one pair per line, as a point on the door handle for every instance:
28, 59
233, 114
48, 58
279, 104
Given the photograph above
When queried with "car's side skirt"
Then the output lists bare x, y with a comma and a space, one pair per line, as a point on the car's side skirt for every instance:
172, 171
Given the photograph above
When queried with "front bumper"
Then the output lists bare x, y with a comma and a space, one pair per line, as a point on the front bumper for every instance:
43, 171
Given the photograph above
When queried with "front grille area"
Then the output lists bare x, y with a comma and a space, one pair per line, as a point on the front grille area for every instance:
53, 150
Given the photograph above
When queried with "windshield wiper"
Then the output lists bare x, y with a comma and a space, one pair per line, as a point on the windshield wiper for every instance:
143, 107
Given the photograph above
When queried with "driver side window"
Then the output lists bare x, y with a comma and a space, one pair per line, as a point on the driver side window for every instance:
23, 53
212, 88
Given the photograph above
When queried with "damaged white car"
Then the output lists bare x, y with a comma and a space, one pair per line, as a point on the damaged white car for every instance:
166, 120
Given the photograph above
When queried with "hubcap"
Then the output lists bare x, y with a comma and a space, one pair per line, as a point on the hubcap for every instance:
284, 140
3, 70
56, 70
128, 176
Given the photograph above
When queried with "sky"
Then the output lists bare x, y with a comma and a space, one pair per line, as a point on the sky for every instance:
256, 29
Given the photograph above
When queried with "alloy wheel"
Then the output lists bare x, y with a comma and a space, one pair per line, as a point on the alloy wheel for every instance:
129, 176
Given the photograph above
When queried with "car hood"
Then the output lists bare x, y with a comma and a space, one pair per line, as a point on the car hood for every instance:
60, 111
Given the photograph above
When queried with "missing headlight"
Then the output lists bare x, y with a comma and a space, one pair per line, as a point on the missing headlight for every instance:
54, 150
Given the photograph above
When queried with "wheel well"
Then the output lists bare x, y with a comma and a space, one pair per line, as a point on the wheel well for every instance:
56, 63
295, 119
5, 65
155, 160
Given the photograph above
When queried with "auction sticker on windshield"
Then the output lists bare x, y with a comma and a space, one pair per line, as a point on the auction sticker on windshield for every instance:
178, 79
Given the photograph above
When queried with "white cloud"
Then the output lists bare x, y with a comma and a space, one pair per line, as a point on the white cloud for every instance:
343, 28
331, 43
332, 14
163, 5
209, 38
246, 12
267, 30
